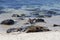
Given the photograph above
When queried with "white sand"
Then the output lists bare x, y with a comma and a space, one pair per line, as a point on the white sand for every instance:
32, 36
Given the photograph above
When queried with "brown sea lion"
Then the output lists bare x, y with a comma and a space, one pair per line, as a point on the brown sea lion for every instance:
37, 29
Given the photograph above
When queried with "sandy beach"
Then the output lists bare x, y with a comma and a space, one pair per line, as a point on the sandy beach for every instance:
54, 34
32, 36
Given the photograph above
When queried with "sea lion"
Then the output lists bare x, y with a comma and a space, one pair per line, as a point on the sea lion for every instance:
36, 29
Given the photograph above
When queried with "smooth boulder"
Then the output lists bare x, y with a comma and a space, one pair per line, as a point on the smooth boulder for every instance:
8, 22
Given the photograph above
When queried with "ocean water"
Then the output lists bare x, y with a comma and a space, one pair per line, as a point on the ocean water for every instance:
6, 5
19, 3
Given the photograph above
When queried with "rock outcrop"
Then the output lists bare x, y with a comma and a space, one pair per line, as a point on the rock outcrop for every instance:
8, 22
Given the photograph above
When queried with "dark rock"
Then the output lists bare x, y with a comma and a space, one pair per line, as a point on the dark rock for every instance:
8, 31
48, 15
23, 15
32, 21
2, 12
21, 18
51, 12
41, 16
26, 23
15, 15
8, 22
40, 20
55, 25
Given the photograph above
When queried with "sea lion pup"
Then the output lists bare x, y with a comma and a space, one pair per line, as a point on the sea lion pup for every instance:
12, 30
36, 29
